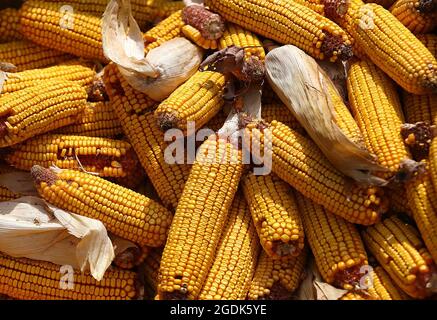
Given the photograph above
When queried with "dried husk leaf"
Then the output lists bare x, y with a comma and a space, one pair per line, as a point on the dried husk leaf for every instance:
31, 228
302, 85
3, 78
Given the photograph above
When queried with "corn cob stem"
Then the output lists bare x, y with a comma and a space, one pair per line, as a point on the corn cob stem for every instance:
124, 212
27, 279
210, 25
418, 137
199, 220
236, 256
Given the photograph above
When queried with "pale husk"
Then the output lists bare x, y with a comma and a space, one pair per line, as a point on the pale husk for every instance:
302, 85
163, 69
3, 78
32, 228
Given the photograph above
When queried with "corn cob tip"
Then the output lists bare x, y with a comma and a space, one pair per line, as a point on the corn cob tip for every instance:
427, 6
167, 121
210, 25
418, 137
335, 8
408, 169
334, 45
349, 278
40, 174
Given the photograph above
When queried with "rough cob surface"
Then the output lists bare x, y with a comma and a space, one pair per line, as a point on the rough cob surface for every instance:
124, 212
419, 16
289, 23
277, 279
136, 116
197, 100
335, 243
298, 161
400, 251
235, 260
9, 25
391, 46
27, 279
275, 215
49, 25
39, 109
101, 156
74, 71
25, 55
378, 111
199, 220
97, 120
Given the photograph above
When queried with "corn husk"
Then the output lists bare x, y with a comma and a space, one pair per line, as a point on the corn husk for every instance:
163, 69
32, 228
302, 85
3, 78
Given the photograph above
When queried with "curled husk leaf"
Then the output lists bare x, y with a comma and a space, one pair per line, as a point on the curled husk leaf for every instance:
302, 86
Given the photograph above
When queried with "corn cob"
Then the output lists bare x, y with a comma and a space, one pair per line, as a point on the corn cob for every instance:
391, 46
234, 35
76, 72
298, 161
400, 251
235, 260
139, 124
203, 209
315, 5
430, 42
275, 215
335, 243
25, 55
398, 199
197, 100
151, 270
277, 279
383, 288
27, 279
131, 257
165, 30
385, 3
132, 181
289, 23
144, 11
124, 212
47, 24
97, 120
7, 195
9, 25
356, 295
101, 156
378, 112
194, 35
279, 112
39, 109
419, 16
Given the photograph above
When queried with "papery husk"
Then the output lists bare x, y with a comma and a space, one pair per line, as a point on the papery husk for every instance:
32, 228
336, 71
302, 85
163, 69
3, 78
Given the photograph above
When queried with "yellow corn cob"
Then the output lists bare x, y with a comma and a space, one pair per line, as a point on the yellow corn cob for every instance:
124, 212
101, 156
398, 199
97, 120
377, 109
335, 243
385, 3
400, 251
383, 288
9, 25
49, 25
279, 112
277, 279
165, 30
289, 23
315, 5
197, 100
139, 124
7, 195
419, 108
27, 279
199, 220
144, 11
234, 35
131, 257
151, 270
356, 295
134, 180
298, 161
433, 162
422, 199
39, 109
391, 46
415, 15
194, 35
235, 260
275, 215
26, 55
82, 74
